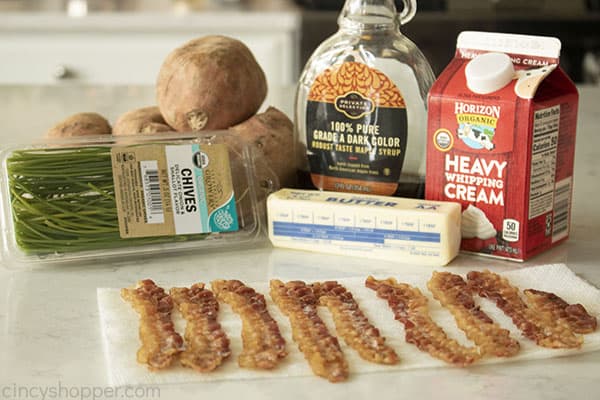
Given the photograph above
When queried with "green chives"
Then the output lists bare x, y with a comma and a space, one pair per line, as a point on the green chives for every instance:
63, 200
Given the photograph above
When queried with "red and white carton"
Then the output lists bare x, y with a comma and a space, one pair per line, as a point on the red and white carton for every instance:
501, 141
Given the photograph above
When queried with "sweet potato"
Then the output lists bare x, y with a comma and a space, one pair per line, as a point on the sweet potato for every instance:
272, 133
144, 121
213, 82
81, 124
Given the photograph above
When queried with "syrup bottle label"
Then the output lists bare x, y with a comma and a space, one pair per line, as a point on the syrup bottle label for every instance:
356, 130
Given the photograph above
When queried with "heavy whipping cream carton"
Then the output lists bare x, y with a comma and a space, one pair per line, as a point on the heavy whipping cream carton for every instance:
501, 141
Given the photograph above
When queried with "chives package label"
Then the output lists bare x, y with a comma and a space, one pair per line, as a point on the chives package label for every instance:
164, 190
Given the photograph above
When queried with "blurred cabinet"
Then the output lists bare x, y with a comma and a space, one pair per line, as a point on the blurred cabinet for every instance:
129, 49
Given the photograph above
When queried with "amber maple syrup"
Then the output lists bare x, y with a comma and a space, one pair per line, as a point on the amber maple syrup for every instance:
361, 105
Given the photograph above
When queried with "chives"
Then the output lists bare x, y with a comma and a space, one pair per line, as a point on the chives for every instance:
63, 200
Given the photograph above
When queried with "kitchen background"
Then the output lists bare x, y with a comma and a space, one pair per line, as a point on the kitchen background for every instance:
58, 57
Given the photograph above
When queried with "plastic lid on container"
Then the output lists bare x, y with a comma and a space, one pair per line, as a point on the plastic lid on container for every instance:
489, 72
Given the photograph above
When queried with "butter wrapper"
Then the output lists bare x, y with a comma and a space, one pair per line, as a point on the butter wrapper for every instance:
377, 227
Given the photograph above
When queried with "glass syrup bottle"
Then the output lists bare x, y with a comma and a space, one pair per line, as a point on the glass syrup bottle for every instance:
361, 105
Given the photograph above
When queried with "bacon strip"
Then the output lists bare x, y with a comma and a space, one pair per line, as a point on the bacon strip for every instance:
263, 344
207, 345
160, 342
453, 293
352, 324
410, 308
575, 315
322, 350
539, 327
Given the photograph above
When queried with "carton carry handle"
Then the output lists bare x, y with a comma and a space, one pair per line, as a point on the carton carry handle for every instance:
408, 12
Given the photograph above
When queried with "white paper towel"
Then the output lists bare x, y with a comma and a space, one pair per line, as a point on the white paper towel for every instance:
120, 322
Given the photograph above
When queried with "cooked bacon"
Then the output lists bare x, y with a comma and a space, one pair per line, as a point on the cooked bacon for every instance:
352, 324
207, 345
575, 315
160, 342
539, 327
264, 347
453, 293
322, 350
410, 308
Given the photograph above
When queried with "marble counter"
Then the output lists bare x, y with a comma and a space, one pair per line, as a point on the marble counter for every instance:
50, 334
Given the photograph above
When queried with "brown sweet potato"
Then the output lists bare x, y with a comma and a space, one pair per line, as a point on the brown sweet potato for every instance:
142, 121
213, 82
81, 124
272, 133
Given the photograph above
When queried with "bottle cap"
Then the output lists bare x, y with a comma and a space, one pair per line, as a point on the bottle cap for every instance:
489, 72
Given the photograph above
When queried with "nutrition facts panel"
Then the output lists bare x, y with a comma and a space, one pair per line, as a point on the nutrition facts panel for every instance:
543, 161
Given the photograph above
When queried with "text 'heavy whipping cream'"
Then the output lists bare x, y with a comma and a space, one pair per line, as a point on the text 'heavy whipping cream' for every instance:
501, 141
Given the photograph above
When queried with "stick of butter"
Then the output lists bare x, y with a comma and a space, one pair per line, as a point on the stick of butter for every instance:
376, 227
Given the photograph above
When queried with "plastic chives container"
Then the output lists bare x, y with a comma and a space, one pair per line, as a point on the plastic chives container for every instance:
118, 197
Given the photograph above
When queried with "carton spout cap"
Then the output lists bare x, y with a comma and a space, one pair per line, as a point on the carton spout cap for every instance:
489, 72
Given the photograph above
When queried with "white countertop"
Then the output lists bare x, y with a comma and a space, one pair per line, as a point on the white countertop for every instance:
50, 334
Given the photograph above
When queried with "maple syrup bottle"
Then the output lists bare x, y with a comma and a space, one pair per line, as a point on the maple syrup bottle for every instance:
361, 105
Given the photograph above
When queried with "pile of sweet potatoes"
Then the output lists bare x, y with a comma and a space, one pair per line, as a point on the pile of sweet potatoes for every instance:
209, 83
